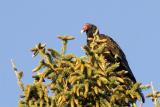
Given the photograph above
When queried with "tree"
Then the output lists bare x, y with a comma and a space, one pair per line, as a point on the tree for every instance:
65, 80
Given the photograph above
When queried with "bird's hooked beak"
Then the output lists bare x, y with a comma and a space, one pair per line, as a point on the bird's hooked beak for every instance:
82, 31
85, 27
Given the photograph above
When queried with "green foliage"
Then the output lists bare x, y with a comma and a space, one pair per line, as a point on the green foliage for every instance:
154, 95
88, 81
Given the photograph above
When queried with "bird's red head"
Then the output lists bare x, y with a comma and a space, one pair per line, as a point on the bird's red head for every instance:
86, 27
90, 29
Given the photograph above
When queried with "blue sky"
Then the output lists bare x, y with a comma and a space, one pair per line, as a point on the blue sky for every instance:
133, 24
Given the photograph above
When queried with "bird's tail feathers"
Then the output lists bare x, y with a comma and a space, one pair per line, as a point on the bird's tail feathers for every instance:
142, 95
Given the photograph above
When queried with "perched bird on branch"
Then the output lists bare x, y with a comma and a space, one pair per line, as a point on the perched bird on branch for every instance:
111, 46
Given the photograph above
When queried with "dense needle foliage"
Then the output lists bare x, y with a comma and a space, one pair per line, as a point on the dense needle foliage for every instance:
87, 81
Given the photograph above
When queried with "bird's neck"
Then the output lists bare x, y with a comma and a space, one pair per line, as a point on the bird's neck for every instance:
92, 34
90, 37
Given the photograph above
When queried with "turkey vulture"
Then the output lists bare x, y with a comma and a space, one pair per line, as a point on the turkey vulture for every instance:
112, 47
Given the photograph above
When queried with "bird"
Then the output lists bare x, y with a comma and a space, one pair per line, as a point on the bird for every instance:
112, 46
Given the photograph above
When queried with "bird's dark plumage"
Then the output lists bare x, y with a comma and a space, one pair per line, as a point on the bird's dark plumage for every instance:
111, 46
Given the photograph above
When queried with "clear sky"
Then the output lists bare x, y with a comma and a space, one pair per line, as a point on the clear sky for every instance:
134, 24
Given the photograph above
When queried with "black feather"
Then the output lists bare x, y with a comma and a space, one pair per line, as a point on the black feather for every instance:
114, 49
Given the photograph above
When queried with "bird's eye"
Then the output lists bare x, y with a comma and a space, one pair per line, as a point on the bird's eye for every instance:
87, 26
